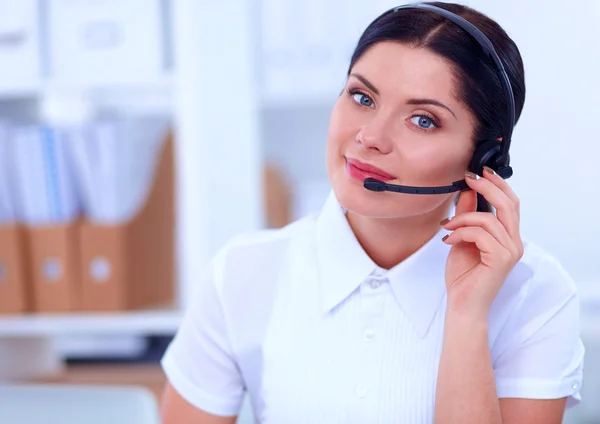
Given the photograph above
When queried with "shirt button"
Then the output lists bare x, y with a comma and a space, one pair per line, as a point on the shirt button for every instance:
375, 284
368, 334
360, 391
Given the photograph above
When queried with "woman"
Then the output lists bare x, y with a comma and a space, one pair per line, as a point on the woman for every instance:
364, 313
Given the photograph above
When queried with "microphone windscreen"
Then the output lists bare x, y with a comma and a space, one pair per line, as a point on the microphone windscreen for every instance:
374, 185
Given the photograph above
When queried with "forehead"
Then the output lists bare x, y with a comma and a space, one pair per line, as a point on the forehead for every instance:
407, 71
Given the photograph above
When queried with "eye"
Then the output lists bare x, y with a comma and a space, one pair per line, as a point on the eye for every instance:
362, 99
424, 122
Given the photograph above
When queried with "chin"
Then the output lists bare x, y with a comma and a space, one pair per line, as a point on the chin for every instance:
355, 198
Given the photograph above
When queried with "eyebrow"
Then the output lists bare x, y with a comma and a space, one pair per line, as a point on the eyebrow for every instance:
432, 102
365, 82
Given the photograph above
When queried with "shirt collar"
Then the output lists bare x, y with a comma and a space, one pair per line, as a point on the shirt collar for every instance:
342, 263
418, 283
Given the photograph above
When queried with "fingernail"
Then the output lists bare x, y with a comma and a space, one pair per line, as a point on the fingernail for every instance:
489, 170
444, 221
472, 175
445, 237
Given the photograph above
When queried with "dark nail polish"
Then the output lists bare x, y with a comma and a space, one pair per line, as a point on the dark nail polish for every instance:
445, 237
444, 221
489, 170
472, 175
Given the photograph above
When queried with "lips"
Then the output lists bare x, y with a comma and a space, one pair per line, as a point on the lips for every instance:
362, 171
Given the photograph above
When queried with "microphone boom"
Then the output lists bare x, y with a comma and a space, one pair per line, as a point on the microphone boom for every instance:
460, 185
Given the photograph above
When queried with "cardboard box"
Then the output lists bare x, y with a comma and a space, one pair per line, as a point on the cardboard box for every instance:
14, 282
20, 46
84, 37
131, 265
54, 260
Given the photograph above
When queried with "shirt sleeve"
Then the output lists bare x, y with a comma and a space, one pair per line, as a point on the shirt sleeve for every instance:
544, 356
199, 362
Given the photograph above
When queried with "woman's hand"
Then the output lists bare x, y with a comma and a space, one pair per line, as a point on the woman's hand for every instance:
485, 247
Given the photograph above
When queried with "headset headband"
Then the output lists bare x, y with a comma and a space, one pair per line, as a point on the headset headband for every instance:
488, 48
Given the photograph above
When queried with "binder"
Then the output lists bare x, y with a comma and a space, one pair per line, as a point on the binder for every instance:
54, 256
14, 282
131, 265
48, 209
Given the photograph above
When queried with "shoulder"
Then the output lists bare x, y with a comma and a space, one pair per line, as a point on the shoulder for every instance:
249, 272
538, 292
549, 293
546, 276
538, 272
256, 257
536, 346
245, 248
537, 287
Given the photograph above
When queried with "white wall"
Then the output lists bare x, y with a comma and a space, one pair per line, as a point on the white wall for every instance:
556, 145
219, 153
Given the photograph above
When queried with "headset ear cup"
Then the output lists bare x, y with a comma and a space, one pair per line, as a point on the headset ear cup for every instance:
485, 154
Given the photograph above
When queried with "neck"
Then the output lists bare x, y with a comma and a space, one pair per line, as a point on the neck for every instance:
390, 241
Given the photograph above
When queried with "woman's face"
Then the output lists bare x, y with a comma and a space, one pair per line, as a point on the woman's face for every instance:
398, 113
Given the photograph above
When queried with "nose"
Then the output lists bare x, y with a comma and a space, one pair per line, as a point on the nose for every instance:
377, 134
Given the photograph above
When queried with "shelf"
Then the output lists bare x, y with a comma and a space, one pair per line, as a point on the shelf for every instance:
150, 322
145, 322
17, 90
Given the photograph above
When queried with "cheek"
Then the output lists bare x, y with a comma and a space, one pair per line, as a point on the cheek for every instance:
436, 165
341, 130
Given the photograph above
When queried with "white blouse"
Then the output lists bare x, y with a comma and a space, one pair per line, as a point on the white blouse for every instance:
305, 323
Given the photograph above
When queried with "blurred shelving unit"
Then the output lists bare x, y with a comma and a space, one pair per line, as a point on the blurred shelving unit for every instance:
140, 323
65, 61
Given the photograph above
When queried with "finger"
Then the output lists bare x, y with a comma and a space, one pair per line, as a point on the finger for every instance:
506, 210
491, 251
467, 202
485, 220
491, 175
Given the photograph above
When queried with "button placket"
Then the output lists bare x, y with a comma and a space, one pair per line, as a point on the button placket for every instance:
368, 334
361, 391
373, 300
374, 283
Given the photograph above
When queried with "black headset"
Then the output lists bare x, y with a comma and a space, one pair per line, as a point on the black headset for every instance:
491, 153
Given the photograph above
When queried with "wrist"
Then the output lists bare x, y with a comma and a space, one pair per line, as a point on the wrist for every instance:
474, 319
467, 308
